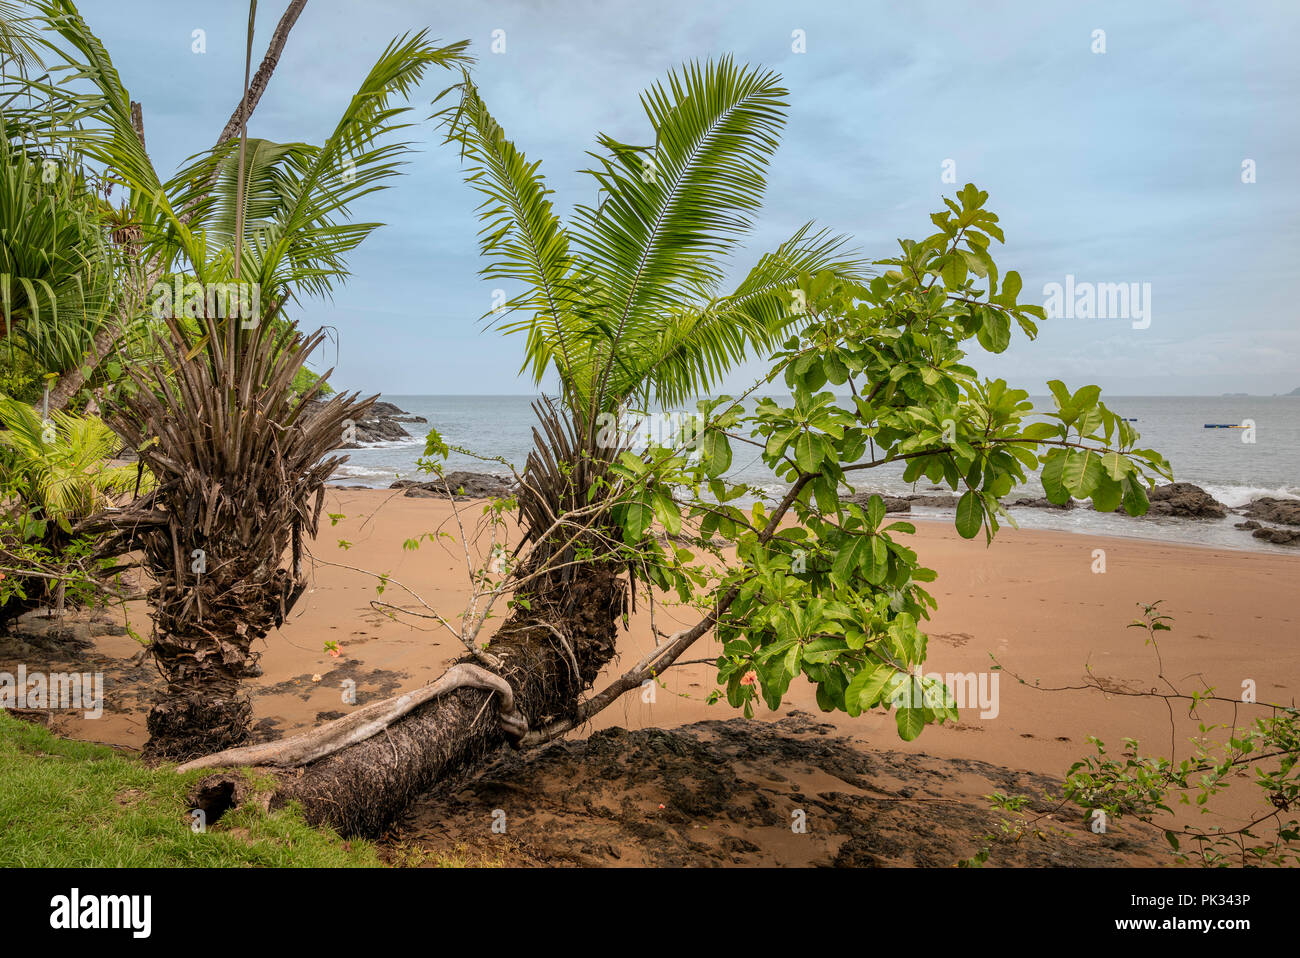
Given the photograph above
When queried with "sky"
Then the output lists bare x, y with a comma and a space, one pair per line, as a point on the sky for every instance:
1124, 166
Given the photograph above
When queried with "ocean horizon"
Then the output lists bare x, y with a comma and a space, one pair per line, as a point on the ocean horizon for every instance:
1233, 471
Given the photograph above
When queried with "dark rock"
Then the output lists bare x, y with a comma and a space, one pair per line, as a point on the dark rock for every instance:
721, 793
380, 430
382, 423
940, 502
386, 410
1285, 511
1248, 524
1042, 502
892, 503
463, 485
1185, 501
1281, 537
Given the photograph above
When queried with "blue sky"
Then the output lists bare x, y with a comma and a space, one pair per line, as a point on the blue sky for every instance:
1115, 167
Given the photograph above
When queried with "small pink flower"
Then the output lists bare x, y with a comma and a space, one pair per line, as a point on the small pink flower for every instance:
335, 653
749, 679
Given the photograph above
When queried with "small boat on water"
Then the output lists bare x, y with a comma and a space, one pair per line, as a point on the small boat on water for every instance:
1223, 425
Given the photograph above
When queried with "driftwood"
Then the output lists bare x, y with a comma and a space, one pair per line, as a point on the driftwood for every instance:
365, 722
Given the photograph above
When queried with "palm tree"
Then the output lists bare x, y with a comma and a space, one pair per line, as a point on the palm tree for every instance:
626, 304
241, 462
19, 38
115, 135
239, 456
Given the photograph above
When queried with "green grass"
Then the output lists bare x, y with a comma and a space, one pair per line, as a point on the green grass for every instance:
73, 804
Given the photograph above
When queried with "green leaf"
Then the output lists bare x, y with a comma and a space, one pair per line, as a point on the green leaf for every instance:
1135, 499
875, 512
995, 333
1053, 477
1011, 286
865, 688
1041, 430
636, 520
911, 722
806, 452
715, 453
1116, 465
879, 560
970, 514
1108, 495
1082, 472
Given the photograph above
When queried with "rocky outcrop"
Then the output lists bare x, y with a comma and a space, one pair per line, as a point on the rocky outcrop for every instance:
383, 423
463, 485
938, 502
1285, 511
1042, 502
892, 503
1185, 501
1281, 537
1180, 499
386, 410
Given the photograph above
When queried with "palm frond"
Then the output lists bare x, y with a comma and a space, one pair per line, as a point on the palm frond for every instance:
19, 36
57, 267
524, 239
99, 125
304, 247
62, 462
670, 211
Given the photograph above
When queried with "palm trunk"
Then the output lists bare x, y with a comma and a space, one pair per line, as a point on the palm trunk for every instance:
364, 788
202, 644
202, 706
70, 383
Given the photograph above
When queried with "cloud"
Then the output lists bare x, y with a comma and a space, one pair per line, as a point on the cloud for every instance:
1116, 167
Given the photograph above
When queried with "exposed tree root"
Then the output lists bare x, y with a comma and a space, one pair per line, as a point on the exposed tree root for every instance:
370, 720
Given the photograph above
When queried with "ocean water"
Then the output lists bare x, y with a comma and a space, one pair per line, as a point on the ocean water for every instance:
1233, 471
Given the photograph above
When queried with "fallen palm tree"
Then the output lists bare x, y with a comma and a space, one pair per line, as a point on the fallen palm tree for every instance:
624, 306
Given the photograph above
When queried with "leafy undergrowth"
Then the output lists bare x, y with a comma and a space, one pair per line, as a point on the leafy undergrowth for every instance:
74, 804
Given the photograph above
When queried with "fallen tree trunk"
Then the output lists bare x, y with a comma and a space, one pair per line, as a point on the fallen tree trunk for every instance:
363, 788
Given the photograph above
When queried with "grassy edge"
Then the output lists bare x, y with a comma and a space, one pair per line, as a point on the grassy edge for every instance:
65, 803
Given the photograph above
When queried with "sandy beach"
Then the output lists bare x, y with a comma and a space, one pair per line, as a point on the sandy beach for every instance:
1032, 601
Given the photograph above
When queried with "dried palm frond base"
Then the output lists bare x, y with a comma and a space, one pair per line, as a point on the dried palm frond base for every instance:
204, 660
240, 467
